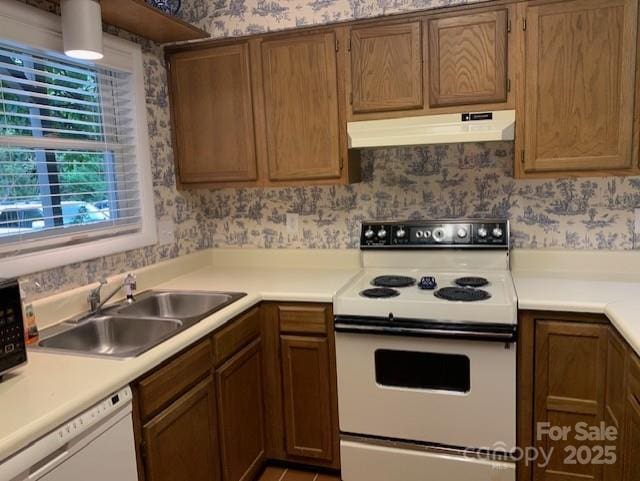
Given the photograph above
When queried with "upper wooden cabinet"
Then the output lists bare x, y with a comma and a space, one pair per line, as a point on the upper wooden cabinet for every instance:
212, 108
386, 68
576, 112
467, 58
301, 112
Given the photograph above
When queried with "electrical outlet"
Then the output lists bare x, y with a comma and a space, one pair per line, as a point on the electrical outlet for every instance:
166, 234
293, 223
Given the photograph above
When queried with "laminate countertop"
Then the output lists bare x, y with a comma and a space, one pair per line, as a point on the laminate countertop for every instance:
52, 388
597, 282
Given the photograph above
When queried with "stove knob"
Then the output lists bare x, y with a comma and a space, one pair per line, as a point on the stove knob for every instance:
382, 233
482, 232
400, 233
427, 283
369, 233
419, 234
462, 232
438, 234
497, 232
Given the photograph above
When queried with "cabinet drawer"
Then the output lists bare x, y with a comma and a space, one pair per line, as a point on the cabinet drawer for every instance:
158, 389
238, 334
310, 319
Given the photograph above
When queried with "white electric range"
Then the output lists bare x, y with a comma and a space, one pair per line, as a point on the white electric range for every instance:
426, 354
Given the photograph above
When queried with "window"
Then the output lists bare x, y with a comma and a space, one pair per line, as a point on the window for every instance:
74, 163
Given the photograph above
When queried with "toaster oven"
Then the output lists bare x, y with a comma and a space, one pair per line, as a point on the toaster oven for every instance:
13, 352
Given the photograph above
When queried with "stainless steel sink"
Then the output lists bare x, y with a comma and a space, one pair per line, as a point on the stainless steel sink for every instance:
183, 305
128, 330
113, 336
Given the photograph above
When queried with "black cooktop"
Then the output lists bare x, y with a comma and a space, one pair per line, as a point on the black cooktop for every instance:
393, 281
379, 293
465, 294
471, 281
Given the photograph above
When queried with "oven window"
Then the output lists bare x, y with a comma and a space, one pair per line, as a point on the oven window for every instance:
423, 370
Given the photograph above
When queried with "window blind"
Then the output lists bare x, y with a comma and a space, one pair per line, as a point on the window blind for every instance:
68, 171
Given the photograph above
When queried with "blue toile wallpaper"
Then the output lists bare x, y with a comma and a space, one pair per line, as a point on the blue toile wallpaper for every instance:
466, 180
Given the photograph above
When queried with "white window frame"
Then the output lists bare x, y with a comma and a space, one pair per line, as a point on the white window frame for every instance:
35, 28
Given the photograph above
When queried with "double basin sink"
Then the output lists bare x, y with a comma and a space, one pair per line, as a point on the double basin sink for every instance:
129, 329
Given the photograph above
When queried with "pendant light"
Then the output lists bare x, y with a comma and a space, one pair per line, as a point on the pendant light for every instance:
82, 29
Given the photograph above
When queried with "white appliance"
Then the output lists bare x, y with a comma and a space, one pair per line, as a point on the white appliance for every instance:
433, 129
426, 354
97, 445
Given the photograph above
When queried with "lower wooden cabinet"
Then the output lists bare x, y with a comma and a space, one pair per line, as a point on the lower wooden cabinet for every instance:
632, 423
180, 442
569, 389
577, 368
614, 409
308, 395
261, 388
240, 414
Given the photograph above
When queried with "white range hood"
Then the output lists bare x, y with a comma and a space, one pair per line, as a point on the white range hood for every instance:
433, 129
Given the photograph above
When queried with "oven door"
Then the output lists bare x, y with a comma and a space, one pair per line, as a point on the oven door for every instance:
453, 390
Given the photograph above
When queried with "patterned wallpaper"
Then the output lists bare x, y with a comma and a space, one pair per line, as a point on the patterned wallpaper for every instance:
225, 18
467, 180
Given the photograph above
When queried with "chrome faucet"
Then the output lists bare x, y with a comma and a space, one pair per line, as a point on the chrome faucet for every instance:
94, 299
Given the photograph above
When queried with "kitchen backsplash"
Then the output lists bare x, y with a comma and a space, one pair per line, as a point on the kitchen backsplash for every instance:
441, 181
467, 180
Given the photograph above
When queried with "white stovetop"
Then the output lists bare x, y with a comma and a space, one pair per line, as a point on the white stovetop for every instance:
416, 303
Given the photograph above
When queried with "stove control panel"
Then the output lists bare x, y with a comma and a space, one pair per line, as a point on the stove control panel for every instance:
479, 234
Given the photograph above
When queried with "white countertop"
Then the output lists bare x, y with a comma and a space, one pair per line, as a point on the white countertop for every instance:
615, 295
53, 388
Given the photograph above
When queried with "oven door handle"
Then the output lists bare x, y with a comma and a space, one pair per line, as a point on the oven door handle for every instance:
408, 328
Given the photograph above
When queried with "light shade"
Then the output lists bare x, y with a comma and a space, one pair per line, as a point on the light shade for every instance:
82, 29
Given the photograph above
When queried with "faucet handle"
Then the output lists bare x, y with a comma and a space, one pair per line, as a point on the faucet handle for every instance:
94, 296
130, 285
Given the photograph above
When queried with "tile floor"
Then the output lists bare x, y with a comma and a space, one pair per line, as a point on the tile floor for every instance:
285, 474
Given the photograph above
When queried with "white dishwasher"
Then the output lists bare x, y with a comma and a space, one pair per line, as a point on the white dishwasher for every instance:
97, 445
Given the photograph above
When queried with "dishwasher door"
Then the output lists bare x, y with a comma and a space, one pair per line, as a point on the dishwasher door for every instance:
96, 445
108, 456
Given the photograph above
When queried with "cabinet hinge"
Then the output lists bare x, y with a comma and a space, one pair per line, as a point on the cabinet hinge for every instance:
337, 45
508, 85
522, 157
509, 26
351, 98
524, 24
341, 163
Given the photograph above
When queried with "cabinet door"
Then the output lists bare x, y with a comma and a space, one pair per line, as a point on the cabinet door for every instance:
569, 388
632, 423
180, 442
386, 68
579, 85
307, 387
213, 114
615, 394
468, 59
240, 414
301, 107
